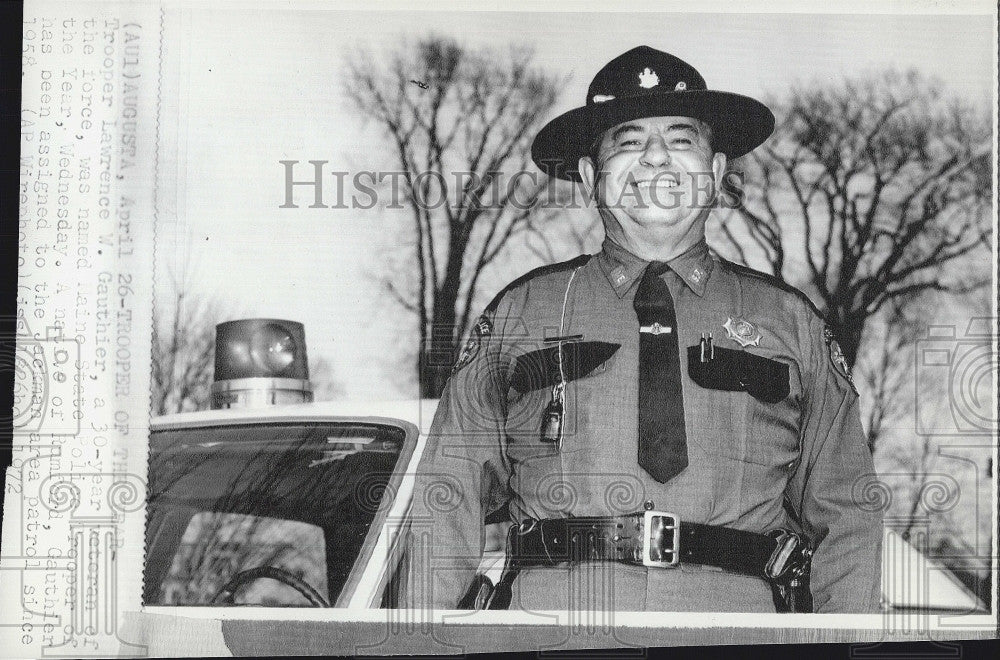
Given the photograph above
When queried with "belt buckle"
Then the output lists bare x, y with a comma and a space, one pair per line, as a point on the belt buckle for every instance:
655, 526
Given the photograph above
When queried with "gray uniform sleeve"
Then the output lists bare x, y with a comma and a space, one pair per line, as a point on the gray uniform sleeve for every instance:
830, 487
461, 477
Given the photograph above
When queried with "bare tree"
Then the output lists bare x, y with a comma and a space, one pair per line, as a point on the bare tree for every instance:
183, 351
325, 385
940, 484
886, 363
879, 184
458, 123
184, 355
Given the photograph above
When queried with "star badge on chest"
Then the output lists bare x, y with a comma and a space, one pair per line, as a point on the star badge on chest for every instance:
743, 332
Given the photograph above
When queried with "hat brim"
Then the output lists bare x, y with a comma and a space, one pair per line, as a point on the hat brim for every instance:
739, 125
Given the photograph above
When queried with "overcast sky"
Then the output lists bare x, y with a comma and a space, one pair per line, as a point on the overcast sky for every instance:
256, 87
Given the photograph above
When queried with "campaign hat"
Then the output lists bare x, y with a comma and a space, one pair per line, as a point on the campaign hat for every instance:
645, 82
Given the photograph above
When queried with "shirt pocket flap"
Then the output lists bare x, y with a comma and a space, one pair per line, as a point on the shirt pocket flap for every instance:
739, 371
541, 369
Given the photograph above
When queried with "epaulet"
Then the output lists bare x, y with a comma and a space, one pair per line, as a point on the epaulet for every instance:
773, 281
537, 272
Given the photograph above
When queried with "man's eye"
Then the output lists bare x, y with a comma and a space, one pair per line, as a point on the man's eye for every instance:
629, 143
683, 141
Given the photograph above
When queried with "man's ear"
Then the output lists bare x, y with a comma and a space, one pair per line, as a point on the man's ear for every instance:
587, 172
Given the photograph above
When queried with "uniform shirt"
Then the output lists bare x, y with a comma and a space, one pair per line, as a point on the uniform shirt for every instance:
747, 459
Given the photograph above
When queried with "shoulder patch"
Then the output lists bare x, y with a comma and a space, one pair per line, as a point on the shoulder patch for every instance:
483, 328
837, 358
532, 274
773, 280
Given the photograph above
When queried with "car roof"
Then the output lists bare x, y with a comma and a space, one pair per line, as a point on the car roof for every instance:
913, 580
419, 412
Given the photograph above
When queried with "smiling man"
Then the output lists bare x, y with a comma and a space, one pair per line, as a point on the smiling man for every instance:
663, 429
657, 184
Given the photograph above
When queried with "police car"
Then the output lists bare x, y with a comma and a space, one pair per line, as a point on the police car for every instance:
272, 500
269, 499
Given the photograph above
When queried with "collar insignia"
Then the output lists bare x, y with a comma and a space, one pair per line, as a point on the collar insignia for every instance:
619, 275
743, 332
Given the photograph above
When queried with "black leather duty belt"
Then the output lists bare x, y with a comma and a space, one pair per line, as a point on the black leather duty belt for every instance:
659, 539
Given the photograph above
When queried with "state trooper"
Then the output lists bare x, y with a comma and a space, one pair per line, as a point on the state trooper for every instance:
664, 430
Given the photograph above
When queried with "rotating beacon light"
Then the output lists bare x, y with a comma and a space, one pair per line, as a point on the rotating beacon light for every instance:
260, 362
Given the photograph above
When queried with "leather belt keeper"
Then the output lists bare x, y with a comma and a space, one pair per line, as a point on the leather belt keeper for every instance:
655, 539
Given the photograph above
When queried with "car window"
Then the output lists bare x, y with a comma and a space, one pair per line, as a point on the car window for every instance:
299, 497
216, 547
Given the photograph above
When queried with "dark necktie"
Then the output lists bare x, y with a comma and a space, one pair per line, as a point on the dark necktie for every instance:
662, 440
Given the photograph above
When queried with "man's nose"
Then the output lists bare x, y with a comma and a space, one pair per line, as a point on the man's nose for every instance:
656, 153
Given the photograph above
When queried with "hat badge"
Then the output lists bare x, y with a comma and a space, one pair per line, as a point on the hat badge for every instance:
648, 78
743, 332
